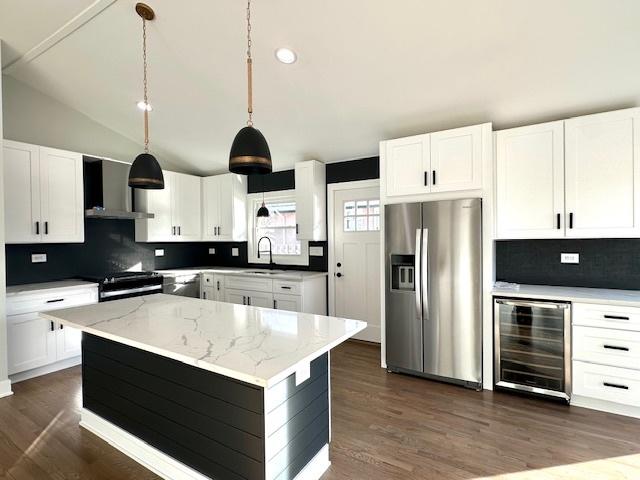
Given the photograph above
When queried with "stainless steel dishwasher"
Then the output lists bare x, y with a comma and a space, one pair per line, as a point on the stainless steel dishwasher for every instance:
184, 285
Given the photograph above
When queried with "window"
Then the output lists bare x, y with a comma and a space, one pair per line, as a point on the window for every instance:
280, 227
362, 216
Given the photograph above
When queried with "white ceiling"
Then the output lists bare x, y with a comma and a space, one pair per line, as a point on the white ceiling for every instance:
367, 70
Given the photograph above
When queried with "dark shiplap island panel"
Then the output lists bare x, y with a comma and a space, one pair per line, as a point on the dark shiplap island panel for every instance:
211, 423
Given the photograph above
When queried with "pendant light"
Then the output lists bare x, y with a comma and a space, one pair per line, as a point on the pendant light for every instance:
263, 211
249, 152
145, 172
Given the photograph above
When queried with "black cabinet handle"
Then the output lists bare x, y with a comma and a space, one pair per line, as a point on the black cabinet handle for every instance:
426, 179
179, 231
433, 180
52, 326
244, 300
297, 230
173, 230
61, 327
615, 385
46, 228
248, 300
37, 228
558, 221
204, 295
275, 304
56, 300
570, 219
614, 347
616, 317
218, 285
285, 288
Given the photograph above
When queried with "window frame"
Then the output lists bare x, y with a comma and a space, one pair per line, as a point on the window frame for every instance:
254, 201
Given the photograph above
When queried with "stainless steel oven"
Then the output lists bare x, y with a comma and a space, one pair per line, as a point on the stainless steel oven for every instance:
532, 346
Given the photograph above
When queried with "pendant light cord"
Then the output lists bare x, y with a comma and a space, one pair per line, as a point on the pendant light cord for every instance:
144, 82
249, 68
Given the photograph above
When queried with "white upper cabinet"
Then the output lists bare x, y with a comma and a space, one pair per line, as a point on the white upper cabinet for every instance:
603, 174
44, 201
224, 208
176, 210
530, 181
438, 162
311, 201
456, 159
408, 165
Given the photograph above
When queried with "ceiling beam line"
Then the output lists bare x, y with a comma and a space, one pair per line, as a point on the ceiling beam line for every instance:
97, 7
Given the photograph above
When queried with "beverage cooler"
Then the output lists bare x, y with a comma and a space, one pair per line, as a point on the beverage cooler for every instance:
533, 346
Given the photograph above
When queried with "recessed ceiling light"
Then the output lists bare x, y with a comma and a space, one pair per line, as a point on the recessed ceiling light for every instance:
144, 106
286, 55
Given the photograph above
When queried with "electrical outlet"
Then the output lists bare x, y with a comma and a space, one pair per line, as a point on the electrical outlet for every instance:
316, 251
569, 258
38, 258
235, 252
212, 251
159, 252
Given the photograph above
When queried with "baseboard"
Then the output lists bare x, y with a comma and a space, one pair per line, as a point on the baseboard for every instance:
165, 466
54, 367
604, 406
5, 388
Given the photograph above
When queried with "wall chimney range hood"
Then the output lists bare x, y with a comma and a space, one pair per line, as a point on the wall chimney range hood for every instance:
106, 191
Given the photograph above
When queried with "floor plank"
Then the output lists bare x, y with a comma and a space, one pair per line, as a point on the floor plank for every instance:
385, 426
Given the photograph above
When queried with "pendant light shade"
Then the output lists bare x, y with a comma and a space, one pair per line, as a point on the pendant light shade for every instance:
250, 153
145, 173
263, 211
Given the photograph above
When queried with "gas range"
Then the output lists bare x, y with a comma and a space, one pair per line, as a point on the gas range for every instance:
116, 286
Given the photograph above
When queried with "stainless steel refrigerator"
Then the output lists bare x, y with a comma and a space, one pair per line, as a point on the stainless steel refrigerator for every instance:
434, 290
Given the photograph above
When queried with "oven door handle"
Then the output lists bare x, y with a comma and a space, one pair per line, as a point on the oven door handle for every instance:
117, 293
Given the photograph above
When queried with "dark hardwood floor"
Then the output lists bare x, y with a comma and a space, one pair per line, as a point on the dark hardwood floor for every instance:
385, 426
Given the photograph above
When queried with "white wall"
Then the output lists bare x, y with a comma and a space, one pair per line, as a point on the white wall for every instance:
5, 385
33, 117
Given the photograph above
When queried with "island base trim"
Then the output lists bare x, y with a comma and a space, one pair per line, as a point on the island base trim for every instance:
149, 457
167, 467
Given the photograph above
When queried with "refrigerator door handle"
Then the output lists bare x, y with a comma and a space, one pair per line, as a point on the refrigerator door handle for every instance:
417, 270
424, 264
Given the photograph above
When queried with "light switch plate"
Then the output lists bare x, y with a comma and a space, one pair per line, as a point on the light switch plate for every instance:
212, 251
159, 252
569, 258
235, 252
316, 251
38, 258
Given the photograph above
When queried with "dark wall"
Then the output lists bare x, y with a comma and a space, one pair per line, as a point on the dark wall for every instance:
604, 263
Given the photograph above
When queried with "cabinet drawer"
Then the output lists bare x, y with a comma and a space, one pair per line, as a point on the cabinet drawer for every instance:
288, 287
249, 283
612, 384
617, 348
606, 316
42, 302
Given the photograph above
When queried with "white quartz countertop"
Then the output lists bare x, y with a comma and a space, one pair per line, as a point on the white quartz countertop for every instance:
47, 287
254, 272
255, 345
573, 294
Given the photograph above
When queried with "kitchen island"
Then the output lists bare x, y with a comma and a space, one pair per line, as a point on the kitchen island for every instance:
195, 389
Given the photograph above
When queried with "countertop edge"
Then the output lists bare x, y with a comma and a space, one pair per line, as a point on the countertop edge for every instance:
79, 284
597, 296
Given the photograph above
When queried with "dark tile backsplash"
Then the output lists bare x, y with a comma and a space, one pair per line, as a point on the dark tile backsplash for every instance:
604, 263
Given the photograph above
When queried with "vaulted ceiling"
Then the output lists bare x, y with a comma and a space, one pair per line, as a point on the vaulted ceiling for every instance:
367, 70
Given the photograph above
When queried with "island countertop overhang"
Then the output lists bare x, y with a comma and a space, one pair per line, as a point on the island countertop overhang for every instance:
256, 345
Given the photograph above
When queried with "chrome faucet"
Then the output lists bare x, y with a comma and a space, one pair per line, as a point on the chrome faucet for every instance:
265, 251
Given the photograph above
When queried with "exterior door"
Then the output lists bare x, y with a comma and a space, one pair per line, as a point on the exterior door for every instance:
407, 165
356, 268
530, 181
62, 196
22, 193
456, 159
602, 174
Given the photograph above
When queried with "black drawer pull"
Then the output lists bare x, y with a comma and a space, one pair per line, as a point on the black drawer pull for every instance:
285, 288
614, 347
615, 385
56, 300
616, 317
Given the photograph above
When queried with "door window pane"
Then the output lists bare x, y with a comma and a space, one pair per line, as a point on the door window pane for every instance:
362, 215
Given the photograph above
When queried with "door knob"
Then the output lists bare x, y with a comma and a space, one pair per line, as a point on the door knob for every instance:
338, 274
339, 264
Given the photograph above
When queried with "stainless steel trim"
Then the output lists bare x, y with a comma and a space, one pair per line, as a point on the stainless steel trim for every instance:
424, 262
116, 214
115, 293
527, 388
417, 270
528, 303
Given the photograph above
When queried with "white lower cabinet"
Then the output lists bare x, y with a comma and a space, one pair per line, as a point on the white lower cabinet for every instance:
34, 342
606, 358
249, 297
292, 303
208, 293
